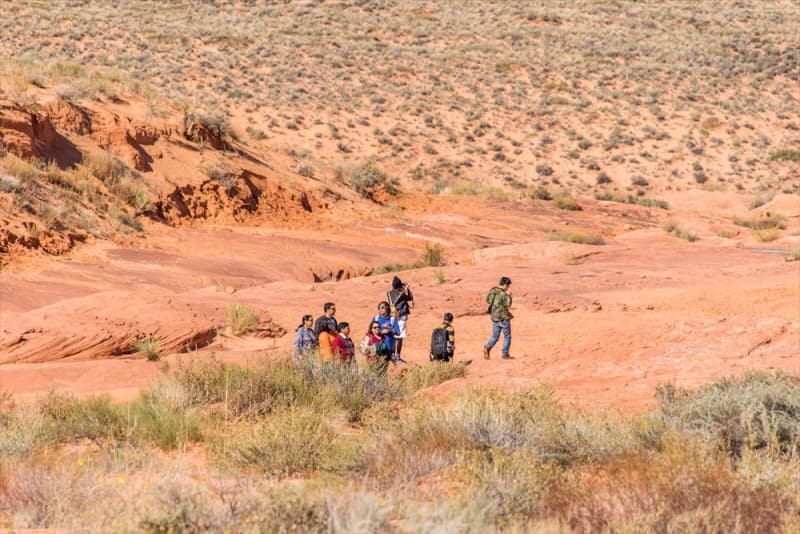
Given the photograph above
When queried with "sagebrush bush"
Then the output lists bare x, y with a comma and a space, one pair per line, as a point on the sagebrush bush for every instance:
760, 409
686, 487
295, 440
566, 202
367, 178
68, 418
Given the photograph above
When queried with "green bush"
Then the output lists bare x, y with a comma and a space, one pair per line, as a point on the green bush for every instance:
67, 418
163, 416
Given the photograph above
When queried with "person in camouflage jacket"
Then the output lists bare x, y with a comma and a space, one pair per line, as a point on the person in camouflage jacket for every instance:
499, 302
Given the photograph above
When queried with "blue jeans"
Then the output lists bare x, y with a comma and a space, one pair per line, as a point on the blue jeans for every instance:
497, 327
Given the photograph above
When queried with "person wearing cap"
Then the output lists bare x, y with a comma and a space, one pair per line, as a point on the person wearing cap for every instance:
499, 301
401, 300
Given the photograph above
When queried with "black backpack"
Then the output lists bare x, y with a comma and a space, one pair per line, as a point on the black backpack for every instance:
439, 338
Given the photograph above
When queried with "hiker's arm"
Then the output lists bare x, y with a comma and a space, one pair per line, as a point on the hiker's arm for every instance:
298, 341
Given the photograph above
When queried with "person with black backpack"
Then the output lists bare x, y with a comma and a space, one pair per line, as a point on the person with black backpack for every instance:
443, 340
499, 302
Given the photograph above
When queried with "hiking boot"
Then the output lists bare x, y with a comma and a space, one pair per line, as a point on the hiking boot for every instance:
485, 353
507, 357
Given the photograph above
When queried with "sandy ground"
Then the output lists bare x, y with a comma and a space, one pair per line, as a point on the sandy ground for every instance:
604, 325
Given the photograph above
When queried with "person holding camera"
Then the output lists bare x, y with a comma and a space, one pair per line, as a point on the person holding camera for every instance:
401, 300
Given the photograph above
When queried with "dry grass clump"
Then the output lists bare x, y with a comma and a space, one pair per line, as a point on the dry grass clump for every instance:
242, 318
149, 347
581, 239
566, 202
671, 228
774, 221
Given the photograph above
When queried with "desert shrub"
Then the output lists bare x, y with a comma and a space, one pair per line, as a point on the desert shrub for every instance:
305, 170
768, 234
367, 178
650, 202
19, 168
106, 167
361, 510
785, 154
566, 202
511, 484
603, 178
758, 410
794, 254
529, 421
639, 181
216, 122
20, 432
296, 440
686, 487
256, 133
774, 220
576, 238
242, 318
352, 387
439, 276
67, 418
671, 228
433, 255
259, 391
162, 416
393, 267
243, 391
9, 184
149, 347
541, 193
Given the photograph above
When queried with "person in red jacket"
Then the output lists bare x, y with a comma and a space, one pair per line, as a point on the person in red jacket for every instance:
343, 347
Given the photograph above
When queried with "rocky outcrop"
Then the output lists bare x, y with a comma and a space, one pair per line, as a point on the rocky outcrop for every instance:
25, 133
246, 198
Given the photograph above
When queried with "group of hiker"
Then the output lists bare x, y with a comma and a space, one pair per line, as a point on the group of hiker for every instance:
383, 341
